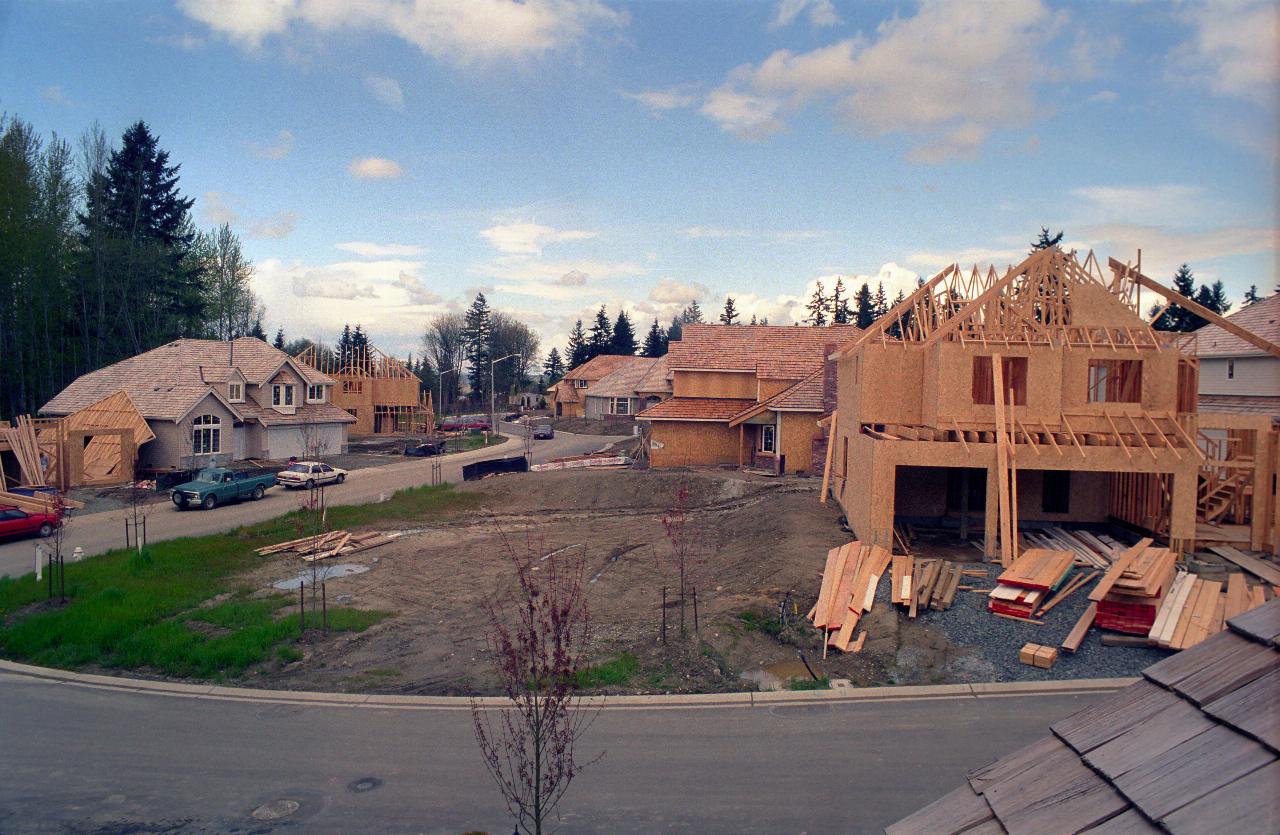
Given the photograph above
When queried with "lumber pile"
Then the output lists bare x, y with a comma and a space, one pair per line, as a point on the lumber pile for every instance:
1035, 655
925, 584
22, 439
581, 462
1195, 609
1026, 585
39, 503
848, 589
1129, 595
1088, 549
326, 545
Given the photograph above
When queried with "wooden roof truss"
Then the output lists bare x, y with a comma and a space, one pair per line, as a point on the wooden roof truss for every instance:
366, 363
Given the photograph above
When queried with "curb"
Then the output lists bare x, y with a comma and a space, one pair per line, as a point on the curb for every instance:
772, 699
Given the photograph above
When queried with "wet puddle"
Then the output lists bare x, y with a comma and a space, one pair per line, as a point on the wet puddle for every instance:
328, 572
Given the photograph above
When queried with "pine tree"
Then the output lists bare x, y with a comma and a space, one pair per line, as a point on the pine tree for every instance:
578, 352
692, 314
1176, 318
1045, 240
601, 335
817, 308
753, 320
655, 341
881, 301
359, 344
1251, 296
729, 316
344, 346
623, 340
894, 328
864, 305
839, 304
1214, 297
674, 332
279, 340
477, 333
553, 368
257, 331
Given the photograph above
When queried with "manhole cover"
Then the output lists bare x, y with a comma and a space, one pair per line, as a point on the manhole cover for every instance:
275, 810
364, 784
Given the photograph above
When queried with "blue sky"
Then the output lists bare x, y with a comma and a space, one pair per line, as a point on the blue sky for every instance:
383, 160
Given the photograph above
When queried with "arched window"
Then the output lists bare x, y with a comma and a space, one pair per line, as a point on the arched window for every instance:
206, 435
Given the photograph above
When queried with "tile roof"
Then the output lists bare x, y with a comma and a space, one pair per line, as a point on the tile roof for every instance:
597, 367
565, 392
804, 396
695, 408
1261, 317
658, 377
1193, 747
166, 382
1241, 403
624, 380
769, 351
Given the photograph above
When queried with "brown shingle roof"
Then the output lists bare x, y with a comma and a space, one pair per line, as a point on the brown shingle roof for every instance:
306, 413
166, 382
769, 351
804, 396
695, 408
1193, 747
1261, 317
624, 380
658, 377
597, 367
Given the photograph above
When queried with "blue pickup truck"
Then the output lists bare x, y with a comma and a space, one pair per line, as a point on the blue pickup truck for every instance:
213, 486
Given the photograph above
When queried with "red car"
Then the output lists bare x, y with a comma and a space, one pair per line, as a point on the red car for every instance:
15, 522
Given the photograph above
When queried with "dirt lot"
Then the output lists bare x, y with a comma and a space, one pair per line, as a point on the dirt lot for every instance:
761, 542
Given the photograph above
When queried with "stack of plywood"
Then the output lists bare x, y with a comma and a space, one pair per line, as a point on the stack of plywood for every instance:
1129, 595
1025, 585
1195, 609
326, 545
848, 589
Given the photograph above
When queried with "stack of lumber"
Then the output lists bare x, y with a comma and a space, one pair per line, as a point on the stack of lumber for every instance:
1088, 549
326, 545
26, 448
1129, 595
1195, 609
39, 503
1023, 587
925, 584
848, 589
1035, 655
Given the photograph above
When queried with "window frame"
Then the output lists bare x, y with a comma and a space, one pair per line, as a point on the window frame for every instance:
624, 402
768, 438
1231, 369
282, 395
1127, 387
235, 392
579, 383
206, 435
312, 387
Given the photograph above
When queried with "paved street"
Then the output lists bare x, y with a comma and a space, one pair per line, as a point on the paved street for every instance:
99, 532
83, 759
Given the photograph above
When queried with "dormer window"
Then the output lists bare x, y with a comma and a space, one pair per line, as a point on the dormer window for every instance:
579, 384
281, 395
315, 394
235, 392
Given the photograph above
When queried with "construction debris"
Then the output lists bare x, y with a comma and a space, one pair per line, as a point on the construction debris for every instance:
38, 503
326, 545
1088, 549
848, 589
579, 462
1025, 585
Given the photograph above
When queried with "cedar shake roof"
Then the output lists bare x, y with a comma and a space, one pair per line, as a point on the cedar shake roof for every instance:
718, 409
1241, 404
624, 381
166, 382
657, 378
309, 413
1261, 317
804, 396
597, 367
769, 351
1192, 747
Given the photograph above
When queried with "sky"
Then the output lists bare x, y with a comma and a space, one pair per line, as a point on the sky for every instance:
385, 160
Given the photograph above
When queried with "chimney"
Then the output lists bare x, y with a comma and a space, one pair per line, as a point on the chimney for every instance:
231, 353
828, 378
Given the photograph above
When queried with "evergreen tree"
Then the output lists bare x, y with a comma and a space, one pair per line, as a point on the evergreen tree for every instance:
894, 329
623, 340
601, 334
753, 320
1045, 240
1251, 296
881, 301
578, 351
764, 320
839, 303
730, 314
1214, 297
864, 304
258, 331
1176, 318
359, 343
553, 368
278, 342
674, 332
817, 308
344, 346
655, 341
477, 333
692, 314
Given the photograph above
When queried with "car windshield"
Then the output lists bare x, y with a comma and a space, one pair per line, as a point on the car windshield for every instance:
299, 468
211, 476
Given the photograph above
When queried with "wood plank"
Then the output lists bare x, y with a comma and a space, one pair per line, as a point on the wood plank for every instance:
831, 445
1075, 637
1237, 596
830, 578
1178, 638
1262, 570
1175, 614
1117, 568
1167, 606
839, 602
1002, 462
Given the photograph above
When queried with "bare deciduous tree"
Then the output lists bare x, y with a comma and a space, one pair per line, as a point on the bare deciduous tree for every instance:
538, 635
686, 556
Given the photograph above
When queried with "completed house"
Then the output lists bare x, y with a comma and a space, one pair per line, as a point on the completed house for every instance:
212, 402
1236, 375
746, 395
567, 398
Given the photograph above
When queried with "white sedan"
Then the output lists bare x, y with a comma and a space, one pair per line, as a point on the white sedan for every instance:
310, 474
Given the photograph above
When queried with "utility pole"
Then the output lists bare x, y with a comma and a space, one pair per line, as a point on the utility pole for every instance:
493, 400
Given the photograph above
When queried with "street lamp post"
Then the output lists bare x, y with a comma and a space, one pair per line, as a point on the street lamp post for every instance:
493, 405
440, 402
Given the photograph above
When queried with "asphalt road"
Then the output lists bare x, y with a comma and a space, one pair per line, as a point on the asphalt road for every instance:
99, 532
88, 760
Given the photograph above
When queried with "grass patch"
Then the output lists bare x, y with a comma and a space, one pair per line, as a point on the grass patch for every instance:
288, 654
133, 611
611, 673
823, 683
754, 620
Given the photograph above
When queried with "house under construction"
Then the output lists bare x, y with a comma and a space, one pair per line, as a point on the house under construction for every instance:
378, 390
1042, 395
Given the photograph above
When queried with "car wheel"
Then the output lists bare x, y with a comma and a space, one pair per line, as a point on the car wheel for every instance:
311, 484
259, 492
342, 477
180, 502
210, 502
46, 529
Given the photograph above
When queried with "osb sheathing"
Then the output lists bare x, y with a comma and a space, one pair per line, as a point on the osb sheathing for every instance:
798, 429
713, 384
692, 444
769, 387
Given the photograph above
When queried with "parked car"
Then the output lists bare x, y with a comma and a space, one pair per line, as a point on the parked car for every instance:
426, 449
464, 425
543, 431
16, 522
310, 474
213, 486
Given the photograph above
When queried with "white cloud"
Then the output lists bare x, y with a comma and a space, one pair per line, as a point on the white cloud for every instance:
981, 256
367, 249
573, 278
279, 149
537, 272
714, 232
1159, 205
1233, 48
673, 291
671, 98
462, 33
386, 90
820, 13
54, 94
1163, 249
1103, 97
793, 235
374, 168
415, 289
216, 210
945, 78
279, 225
528, 238
331, 284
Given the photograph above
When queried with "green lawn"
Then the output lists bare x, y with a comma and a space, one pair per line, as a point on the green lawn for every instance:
144, 611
